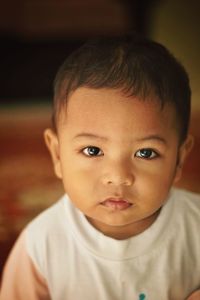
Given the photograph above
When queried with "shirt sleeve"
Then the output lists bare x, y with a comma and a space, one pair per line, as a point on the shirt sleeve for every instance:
21, 280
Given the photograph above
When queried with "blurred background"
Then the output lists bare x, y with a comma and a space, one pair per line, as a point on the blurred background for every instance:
35, 37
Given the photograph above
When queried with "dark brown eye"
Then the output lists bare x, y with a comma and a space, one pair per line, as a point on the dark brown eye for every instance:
92, 151
146, 153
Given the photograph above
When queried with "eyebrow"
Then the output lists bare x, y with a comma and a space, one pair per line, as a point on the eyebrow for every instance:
90, 135
152, 137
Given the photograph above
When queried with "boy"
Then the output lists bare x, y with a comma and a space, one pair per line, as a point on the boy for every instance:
119, 141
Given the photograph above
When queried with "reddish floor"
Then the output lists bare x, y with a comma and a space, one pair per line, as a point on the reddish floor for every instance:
27, 181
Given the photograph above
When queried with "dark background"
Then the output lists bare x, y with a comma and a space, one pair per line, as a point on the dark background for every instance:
36, 36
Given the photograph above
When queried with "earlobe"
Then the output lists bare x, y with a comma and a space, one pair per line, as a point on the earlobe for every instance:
52, 144
184, 150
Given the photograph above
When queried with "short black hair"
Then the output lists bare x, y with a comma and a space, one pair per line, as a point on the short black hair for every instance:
136, 65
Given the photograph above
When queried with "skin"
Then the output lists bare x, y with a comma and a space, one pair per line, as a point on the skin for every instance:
194, 296
117, 129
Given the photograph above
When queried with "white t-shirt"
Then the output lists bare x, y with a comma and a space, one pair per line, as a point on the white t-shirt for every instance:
61, 256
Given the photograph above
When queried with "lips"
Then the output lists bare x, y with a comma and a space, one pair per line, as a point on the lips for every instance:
116, 203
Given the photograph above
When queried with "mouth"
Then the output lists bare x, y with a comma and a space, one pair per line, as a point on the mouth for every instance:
116, 203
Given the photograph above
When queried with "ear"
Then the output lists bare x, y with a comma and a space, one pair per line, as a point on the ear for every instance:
52, 144
183, 152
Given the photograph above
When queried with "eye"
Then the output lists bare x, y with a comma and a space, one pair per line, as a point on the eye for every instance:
92, 151
146, 153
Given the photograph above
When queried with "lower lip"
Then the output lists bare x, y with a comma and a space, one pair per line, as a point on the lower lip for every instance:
116, 205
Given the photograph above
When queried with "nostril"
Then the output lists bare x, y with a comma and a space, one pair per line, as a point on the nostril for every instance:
109, 182
119, 181
118, 174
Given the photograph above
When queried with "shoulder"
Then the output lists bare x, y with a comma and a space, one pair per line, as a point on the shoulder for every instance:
186, 199
46, 233
48, 220
17, 285
186, 210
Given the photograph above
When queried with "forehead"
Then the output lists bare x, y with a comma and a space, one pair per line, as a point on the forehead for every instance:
110, 110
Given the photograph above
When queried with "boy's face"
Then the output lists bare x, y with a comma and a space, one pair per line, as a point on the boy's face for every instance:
118, 157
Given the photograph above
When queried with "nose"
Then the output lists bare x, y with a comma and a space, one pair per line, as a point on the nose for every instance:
119, 173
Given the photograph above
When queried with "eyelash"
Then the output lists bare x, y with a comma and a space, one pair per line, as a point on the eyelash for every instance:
144, 153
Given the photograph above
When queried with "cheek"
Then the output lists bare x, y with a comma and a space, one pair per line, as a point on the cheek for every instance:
154, 189
157, 177
78, 175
